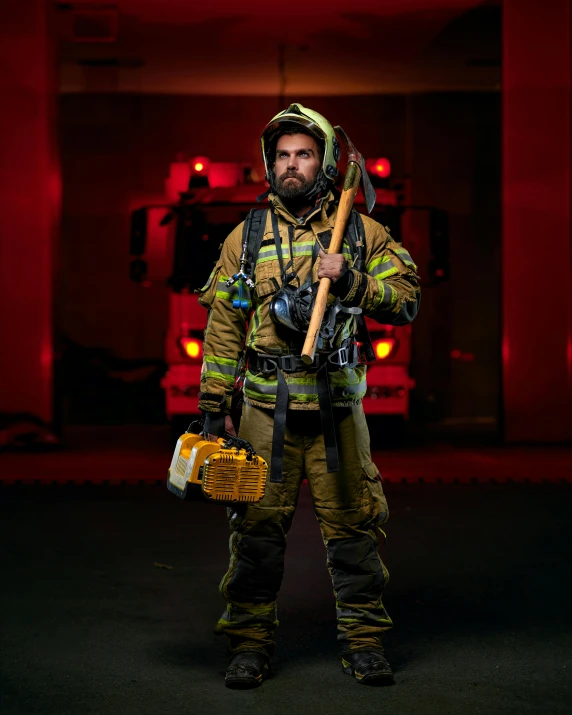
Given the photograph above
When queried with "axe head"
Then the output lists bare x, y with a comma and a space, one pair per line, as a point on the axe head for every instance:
357, 158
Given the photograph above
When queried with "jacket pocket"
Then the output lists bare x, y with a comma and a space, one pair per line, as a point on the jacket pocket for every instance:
266, 279
266, 287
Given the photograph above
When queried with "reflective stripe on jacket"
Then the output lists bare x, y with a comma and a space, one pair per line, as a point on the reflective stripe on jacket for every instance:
388, 292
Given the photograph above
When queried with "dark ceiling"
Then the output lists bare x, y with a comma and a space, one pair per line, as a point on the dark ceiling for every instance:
257, 48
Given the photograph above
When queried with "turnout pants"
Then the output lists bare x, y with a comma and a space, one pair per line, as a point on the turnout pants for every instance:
350, 507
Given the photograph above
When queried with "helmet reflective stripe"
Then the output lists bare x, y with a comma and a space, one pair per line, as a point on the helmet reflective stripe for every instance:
313, 122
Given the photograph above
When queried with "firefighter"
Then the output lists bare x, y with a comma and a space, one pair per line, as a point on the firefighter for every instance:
307, 422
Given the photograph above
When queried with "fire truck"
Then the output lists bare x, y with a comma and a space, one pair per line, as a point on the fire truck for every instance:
204, 202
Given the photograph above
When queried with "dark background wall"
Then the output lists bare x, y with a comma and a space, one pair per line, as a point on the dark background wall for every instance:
118, 147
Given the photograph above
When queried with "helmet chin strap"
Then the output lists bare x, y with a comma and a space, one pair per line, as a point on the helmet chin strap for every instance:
319, 187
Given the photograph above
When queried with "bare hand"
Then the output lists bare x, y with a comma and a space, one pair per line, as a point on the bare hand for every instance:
331, 265
228, 427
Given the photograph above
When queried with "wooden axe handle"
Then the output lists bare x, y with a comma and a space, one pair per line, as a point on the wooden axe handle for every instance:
351, 185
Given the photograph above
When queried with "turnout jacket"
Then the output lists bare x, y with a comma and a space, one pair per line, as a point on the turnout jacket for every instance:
388, 291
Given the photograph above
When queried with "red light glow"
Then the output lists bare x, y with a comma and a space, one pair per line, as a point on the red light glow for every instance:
383, 348
200, 165
379, 167
192, 348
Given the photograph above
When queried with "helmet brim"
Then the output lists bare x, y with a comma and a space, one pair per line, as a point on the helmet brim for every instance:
274, 127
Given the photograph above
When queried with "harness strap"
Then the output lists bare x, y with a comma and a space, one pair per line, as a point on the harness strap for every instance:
327, 417
357, 232
285, 276
279, 430
278, 243
346, 355
256, 234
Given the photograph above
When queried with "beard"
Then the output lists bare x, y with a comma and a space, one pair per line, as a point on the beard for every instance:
294, 193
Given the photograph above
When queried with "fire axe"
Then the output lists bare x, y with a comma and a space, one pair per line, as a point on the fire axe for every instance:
355, 173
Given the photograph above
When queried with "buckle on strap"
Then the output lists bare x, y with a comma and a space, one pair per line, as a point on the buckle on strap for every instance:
265, 364
345, 356
268, 363
340, 357
288, 363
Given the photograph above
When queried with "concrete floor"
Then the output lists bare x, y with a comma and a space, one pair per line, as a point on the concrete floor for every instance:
93, 625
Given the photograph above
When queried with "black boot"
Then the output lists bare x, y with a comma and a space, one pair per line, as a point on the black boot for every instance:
247, 669
369, 667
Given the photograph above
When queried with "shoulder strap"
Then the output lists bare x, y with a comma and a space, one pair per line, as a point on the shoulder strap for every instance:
356, 239
256, 221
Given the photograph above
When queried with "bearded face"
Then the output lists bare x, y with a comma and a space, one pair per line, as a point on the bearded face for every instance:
296, 166
293, 186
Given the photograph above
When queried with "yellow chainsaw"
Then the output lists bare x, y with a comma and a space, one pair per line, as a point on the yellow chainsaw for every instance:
225, 471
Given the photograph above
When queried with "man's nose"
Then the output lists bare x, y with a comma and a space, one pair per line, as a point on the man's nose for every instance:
293, 162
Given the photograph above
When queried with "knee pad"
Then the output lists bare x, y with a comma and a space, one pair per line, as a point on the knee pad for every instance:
357, 572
